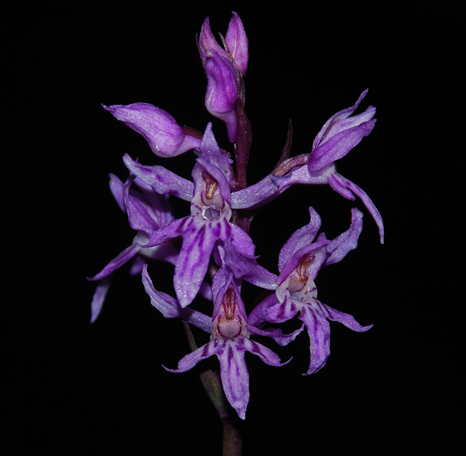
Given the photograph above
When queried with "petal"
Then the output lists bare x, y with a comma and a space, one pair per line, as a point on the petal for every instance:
165, 137
248, 269
344, 186
214, 347
334, 120
260, 314
300, 238
313, 264
222, 91
207, 40
347, 241
348, 123
215, 162
318, 330
163, 252
193, 262
283, 311
265, 354
99, 297
237, 255
237, 43
234, 375
117, 262
343, 318
116, 187
339, 145
241, 241
277, 334
172, 230
221, 279
170, 308
141, 216
160, 179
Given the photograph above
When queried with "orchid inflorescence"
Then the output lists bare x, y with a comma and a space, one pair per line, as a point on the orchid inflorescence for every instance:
216, 252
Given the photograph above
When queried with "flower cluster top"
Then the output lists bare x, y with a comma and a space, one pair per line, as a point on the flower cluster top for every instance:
216, 253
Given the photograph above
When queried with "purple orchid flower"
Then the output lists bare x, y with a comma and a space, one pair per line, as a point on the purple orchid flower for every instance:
209, 222
341, 133
165, 137
147, 212
230, 335
337, 137
299, 262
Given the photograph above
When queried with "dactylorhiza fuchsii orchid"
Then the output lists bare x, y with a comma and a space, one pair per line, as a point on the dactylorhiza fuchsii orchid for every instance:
216, 253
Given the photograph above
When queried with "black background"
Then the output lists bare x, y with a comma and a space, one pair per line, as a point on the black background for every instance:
69, 387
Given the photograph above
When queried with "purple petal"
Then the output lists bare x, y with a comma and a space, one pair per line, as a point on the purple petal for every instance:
221, 279
160, 179
347, 241
234, 375
265, 354
339, 145
319, 255
344, 186
277, 334
207, 40
318, 329
141, 216
222, 91
193, 261
260, 313
165, 137
347, 124
215, 162
237, 43
116, 187
170, 308
343, 318
241, 241
172, 230
329, 126
283, 311
214, 347
99, 297
248, 269
300, 238
117, 262
164, 252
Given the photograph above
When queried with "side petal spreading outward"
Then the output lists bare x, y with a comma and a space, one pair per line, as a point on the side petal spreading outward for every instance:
299, 263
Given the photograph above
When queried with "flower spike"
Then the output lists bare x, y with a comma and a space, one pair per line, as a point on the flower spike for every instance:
209, 245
